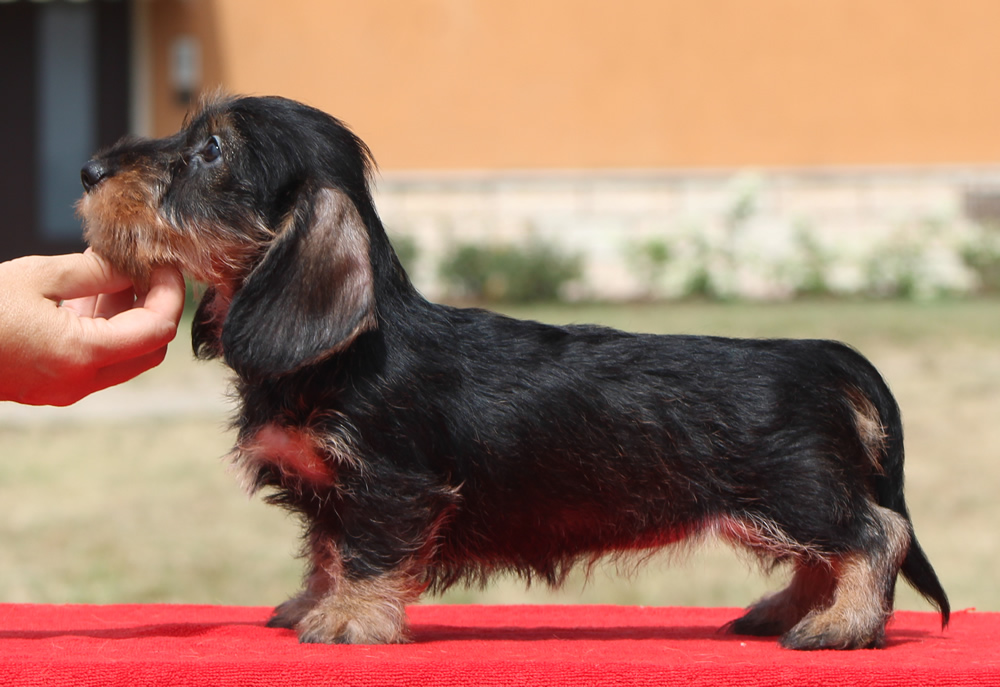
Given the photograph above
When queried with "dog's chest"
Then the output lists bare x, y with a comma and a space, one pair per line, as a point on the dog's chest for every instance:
293, 453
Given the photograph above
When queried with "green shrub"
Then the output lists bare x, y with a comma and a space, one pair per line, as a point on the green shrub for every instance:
533, 273
983, 257
900, 267
894, 271
813, 262
701, 283
649, 260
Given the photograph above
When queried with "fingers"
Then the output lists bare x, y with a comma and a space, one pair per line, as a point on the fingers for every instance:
110, 304
166, 294
84, 307
105, 305
78, 275
142, 329
127, 369
123, 336
72, 325
68, 394
166, 289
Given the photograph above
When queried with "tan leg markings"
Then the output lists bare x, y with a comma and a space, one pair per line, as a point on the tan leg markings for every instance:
861, 604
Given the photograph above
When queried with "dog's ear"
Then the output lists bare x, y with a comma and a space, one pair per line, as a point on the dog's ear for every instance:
310, 296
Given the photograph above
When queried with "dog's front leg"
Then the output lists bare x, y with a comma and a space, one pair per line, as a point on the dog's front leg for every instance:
341, 605
367, 610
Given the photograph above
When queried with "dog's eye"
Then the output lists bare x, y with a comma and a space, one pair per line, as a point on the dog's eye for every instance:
212, 150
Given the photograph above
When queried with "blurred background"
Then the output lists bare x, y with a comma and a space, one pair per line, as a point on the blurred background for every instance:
738, 167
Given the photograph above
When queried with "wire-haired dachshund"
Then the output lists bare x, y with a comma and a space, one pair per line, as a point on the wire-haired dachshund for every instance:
425, 445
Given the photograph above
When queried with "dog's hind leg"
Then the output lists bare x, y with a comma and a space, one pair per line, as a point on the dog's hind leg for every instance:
834, 601
812, 586
864, 588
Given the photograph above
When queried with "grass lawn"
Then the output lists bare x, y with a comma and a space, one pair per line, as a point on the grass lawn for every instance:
125, 498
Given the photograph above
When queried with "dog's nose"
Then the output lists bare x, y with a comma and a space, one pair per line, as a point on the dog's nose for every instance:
92, 174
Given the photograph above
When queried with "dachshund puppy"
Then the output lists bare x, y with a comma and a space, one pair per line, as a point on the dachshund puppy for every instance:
424, 445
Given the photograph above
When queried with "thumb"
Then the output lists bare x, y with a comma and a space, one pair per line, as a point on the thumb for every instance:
79, 275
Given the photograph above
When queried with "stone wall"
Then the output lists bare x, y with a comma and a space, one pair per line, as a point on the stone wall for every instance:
756, 234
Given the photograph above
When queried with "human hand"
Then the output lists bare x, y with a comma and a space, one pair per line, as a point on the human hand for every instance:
71, 325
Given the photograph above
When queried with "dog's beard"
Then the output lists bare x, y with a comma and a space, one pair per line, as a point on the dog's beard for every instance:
121, 227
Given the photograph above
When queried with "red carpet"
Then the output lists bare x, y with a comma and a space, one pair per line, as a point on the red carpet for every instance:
484, 645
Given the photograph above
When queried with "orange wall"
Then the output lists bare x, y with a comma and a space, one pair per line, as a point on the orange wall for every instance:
168, 19
484, 84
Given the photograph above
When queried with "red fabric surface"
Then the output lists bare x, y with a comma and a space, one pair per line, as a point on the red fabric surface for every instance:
485, 645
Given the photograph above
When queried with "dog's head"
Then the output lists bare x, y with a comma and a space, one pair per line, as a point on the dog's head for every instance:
265, 200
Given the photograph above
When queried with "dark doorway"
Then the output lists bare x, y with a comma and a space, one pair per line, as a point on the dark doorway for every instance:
65, 91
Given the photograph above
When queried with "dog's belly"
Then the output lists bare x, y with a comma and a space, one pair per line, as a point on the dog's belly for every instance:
531, 528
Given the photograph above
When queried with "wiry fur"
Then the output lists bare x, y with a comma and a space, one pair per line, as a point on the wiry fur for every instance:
424, 445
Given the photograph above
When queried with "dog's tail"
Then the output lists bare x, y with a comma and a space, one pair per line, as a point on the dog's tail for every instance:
916, 568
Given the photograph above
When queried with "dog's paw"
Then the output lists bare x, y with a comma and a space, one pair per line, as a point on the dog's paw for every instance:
771, 616
332, 626
824, 631
757, 624
289, 614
